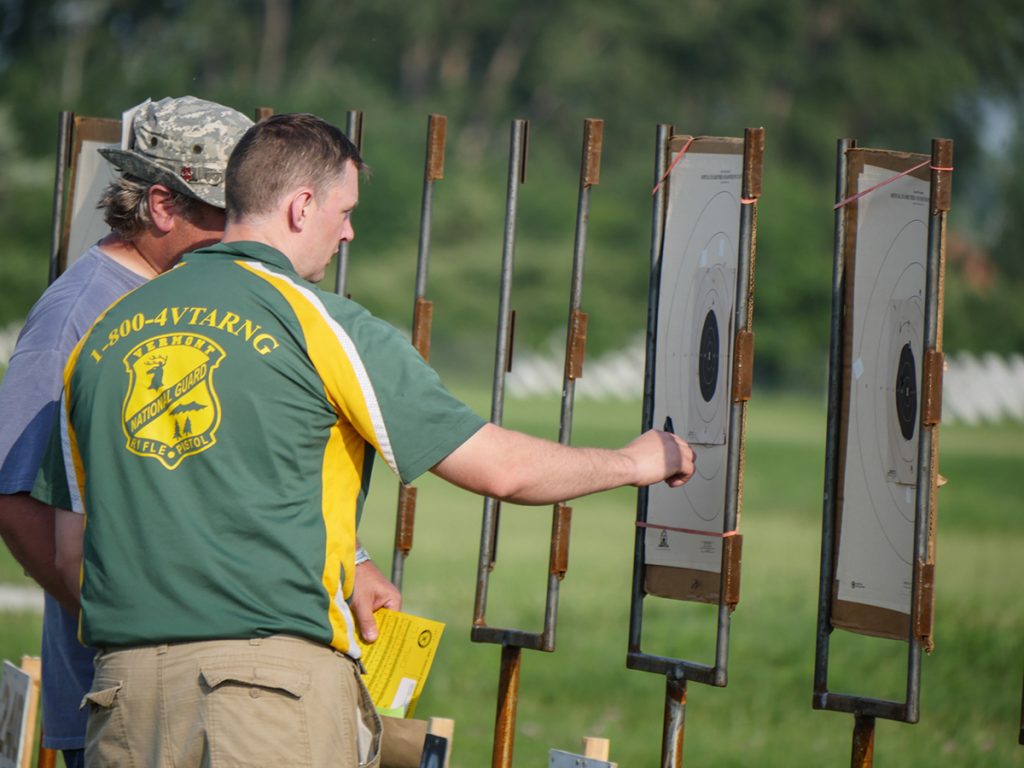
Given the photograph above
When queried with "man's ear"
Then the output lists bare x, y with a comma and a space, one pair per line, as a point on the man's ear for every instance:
298, 213
161, 207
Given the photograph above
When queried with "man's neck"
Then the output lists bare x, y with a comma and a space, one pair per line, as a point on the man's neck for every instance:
132, 255
258, 232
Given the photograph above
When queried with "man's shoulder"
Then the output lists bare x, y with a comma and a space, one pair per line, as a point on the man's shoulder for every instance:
73, 301
94, 279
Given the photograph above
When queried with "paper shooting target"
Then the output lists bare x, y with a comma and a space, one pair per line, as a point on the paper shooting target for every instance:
694, 347
883, 414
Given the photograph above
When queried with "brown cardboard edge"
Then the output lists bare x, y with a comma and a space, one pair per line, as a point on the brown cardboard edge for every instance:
890, 160
869, 619
710, 145
104, 129
689, 584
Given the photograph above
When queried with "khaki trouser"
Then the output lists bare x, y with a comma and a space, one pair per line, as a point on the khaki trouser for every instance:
276, 701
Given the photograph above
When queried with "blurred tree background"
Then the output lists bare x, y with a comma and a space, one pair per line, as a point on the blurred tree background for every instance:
890, 73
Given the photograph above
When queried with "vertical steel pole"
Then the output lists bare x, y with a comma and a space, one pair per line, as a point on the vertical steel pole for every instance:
674, 728
942, 157
835, 388
753, 154
1020, 738
636, 607
65, 124
590, 175
423, 313
354, 130
516, 177
575, 343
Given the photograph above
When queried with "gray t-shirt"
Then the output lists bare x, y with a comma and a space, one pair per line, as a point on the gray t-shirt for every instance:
29, 398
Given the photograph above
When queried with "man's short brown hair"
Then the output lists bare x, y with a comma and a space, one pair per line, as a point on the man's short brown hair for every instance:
281, 153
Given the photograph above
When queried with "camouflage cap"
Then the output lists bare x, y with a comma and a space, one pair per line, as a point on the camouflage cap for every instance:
182, 143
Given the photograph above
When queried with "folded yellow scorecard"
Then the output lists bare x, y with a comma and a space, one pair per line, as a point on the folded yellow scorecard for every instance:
398, 663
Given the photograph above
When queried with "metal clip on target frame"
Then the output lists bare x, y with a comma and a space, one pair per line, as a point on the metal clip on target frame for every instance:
512, 641
422, 319
679, 671
865, 709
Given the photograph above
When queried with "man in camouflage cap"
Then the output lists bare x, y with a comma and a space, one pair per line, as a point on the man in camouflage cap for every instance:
183, 144
169, 199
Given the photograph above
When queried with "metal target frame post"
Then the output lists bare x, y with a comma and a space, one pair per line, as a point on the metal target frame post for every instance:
513, 641
678, 672
74, 133
354, 131
867, 709
423, 314
1020, 737
65, 126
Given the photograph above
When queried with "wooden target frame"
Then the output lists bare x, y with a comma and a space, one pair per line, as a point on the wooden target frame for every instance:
885, 386
699, 356
716, 361
899, 352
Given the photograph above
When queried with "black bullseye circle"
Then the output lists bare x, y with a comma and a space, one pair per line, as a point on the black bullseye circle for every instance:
906, 392
707, 366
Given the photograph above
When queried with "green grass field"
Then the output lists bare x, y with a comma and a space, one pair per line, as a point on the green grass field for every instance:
971, 684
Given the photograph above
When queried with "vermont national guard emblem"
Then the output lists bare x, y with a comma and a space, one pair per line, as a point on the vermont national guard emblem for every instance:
171, 410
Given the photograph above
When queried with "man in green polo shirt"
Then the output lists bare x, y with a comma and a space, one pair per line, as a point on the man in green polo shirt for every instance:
219, 428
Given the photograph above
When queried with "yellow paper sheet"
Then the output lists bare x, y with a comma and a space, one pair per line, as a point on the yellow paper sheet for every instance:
398, 663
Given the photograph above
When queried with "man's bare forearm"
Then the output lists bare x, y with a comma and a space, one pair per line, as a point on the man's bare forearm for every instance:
520, 468
27, 527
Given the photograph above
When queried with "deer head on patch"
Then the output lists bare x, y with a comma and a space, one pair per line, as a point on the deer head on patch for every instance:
155, 370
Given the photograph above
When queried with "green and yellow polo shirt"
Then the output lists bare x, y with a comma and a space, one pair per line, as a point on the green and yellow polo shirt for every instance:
220, 424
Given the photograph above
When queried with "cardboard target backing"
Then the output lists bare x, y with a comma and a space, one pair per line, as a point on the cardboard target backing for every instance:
693, 364
883, 360
89, 174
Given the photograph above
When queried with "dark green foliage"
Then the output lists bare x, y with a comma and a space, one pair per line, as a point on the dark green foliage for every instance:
891, 73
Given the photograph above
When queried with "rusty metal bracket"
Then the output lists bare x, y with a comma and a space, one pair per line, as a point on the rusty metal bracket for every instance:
924, 609
931, 405
561, 523
942, 174
406, 518
743, 366
577, 344
510, 341
732, 558
437, 132
753, 162
423, 317
593, 138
